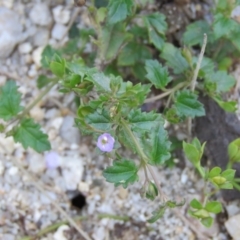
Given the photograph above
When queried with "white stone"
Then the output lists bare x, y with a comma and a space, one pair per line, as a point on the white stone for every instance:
41, 15
72, 171
3, 80
59, 31
7, 3
1, 168
10, 31
37, 113
32, 72
68, 132
61, 15
37, 56
25, 48
36, 162
41, 37
233, 227
13, 171
59, 234
232, 209
7, 145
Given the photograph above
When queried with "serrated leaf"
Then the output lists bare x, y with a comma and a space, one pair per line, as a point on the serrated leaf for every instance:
196, 204
123, 172
195, 31
223, 26
9, 101
215, 172
223, 81
228, 174
99, 120
214, 207
174, 58
48, 55
101, 81
207, 222
160, 151
157, 214
113, 38
142, 121
186, 104
42, 81
133, 53
157, 27
118, 10
157, 74
29, 134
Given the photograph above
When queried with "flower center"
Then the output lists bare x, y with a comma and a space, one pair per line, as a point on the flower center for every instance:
104, 140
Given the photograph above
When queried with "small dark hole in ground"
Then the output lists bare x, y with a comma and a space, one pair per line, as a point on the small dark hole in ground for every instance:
78, 201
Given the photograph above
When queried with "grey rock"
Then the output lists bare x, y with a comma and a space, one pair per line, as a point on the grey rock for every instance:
61, 15
41, 37
11, 31
41, 15
68, 132
59, 31
232, 225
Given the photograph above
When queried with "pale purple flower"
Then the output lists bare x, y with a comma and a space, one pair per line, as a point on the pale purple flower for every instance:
105, 142
52, 160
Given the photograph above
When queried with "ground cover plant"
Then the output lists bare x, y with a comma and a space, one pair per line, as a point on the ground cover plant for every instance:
132, 59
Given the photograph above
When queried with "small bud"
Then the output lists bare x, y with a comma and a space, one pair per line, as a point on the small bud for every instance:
201, 213
219, 180
151, 192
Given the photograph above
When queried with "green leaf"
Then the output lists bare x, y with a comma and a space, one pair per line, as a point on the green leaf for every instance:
57, 68
157, 27
133, 53
42, 81
228, 174
99, 120
174, 58
196, 204
192, 153
157, 214
157, 74
48, 55
10, 100
223, 81
186, 104
195, 31
29, 134
234, 151
214, 207
226, 185
123, 172
151, 192
223, 26
101, 81
113, 38
230, 106
142, 121
207, 222
160, 151
118, 10
215, 172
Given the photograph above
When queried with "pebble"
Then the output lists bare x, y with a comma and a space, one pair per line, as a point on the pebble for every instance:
232, 226
232, 209
37, 113
41, 37
58, 31
7, 145
11, 31
59, 234
37, 56
68, 132
61, 15
25, 48
1, 168
36, 162
3, 80
41, 15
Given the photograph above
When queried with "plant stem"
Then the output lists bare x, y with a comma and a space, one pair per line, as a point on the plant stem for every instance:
51, 228
194, 80
168, 92
144, 159
115, 217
